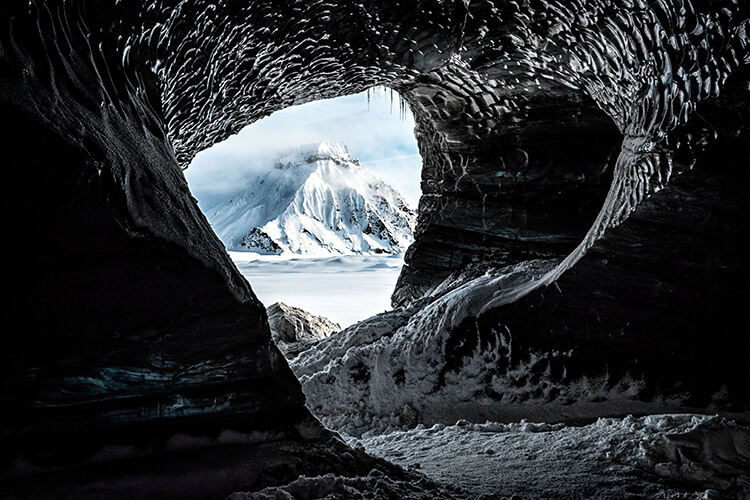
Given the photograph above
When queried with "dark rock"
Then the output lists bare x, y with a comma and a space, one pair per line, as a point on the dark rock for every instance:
257, 240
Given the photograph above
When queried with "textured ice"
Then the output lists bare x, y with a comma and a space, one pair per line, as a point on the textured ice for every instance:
331, 487
475, 74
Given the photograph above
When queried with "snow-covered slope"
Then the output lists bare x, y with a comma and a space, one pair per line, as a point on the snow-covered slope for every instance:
316, 200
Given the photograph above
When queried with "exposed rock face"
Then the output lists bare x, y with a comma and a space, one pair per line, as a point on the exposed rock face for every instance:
257, 240
561, 268
294, 329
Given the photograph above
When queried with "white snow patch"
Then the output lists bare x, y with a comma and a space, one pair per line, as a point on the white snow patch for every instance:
344, 289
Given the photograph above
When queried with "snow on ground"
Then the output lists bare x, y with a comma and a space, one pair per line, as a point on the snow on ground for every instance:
658, 456
375, 486
344, 289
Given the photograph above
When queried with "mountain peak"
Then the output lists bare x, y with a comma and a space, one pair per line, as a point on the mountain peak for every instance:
317, 199
333, 150
314, 152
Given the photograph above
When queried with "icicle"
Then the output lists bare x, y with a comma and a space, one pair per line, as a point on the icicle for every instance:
368, 99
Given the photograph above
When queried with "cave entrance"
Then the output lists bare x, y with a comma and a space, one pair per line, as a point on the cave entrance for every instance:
316, 204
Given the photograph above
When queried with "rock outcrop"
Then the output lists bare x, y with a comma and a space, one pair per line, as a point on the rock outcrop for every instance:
294, 329
257, 240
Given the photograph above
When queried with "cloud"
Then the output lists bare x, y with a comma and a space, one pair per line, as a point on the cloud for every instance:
377, 135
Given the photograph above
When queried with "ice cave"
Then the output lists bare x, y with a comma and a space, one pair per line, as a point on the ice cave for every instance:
570, 318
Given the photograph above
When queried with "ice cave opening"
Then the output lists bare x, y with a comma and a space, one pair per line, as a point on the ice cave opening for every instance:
316, 205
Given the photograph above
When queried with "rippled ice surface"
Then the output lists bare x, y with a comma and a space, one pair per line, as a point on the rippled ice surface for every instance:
345, 289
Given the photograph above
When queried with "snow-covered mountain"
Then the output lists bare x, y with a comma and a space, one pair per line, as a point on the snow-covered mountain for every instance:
316, 200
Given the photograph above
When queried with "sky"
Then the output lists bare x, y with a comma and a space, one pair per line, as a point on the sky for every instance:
376, 133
